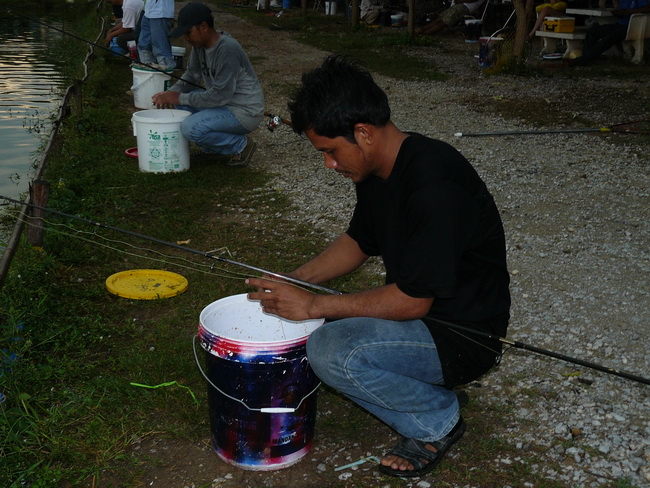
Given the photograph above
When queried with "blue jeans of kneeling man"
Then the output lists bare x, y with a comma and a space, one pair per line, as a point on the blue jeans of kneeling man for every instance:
390, 368
214, 130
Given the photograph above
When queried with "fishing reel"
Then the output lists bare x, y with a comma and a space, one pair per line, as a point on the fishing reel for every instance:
275, 121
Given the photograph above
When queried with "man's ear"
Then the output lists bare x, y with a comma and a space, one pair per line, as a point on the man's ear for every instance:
364, 133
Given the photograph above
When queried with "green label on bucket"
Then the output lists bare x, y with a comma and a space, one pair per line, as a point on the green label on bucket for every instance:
166, 85
154, 136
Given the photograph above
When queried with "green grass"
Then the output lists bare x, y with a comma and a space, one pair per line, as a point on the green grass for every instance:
71, 410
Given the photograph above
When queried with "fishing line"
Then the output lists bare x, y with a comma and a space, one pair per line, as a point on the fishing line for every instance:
221, 273
279, 276
306, 284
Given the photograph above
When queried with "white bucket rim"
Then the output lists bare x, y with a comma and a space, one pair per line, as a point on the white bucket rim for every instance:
161, 116
292, 331
178, 50
145, 69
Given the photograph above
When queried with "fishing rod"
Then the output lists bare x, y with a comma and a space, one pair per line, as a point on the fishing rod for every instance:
455, 327
274, 121
635, 127
74, 36
175, 246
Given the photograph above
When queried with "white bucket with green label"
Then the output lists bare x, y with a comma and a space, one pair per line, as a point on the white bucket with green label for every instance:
146, 83
161, 145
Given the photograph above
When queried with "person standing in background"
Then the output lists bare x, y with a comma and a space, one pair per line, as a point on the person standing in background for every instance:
153, 44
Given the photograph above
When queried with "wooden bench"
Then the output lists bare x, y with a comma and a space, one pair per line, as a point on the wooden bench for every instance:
573, 40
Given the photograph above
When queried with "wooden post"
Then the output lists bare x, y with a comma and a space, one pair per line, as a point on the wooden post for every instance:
355, 13
40, 191
78, 98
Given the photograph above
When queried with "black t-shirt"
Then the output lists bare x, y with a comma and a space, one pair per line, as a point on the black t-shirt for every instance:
440, 235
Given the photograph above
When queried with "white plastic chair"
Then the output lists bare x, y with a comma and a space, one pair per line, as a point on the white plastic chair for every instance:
637, 31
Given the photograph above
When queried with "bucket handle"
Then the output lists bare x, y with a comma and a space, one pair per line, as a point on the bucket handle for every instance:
142, 81
263, 409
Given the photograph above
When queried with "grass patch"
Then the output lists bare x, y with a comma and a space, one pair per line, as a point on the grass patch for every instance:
70, 349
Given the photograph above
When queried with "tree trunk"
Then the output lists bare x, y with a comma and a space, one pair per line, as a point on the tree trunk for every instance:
524, 11
355, 13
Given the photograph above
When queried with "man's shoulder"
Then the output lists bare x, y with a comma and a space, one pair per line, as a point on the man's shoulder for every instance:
418, 142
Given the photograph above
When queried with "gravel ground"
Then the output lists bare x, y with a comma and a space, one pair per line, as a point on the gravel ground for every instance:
577, 218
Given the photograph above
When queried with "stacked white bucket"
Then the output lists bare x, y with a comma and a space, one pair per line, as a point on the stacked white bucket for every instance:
161, 145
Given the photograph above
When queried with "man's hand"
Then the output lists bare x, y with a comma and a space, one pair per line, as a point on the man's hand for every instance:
166, 99
280, 298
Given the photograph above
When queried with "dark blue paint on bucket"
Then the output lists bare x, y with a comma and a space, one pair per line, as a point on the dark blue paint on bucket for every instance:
261, 391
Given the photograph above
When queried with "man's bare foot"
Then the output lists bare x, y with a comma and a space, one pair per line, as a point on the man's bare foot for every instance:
412, 457
398, 463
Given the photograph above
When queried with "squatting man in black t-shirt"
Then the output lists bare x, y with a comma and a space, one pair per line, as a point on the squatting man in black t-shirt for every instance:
424, 209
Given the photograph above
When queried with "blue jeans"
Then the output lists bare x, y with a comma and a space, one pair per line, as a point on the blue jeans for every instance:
598, 39
153, 43
389, 368
214, 130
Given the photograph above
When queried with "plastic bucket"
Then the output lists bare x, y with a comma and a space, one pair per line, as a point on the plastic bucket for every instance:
261, 389
146, 83
473, 30
115, 48
178, 52
161, 145
488, 51
330, 8
397, 20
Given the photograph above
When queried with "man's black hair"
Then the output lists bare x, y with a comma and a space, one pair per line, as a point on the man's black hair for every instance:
335, 97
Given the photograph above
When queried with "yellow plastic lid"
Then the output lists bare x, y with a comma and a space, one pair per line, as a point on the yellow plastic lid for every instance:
146, 284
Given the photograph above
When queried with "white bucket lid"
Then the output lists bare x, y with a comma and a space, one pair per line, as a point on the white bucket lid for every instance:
239, 319
162, 116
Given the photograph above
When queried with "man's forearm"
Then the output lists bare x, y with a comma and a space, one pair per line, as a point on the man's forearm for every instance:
386, 302
340, 258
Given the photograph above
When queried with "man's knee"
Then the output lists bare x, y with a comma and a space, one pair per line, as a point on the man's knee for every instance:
187, 129
317, 350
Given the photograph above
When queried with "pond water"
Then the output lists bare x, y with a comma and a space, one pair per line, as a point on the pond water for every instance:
30, 92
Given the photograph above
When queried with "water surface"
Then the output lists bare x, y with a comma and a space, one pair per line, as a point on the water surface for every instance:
30, 91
